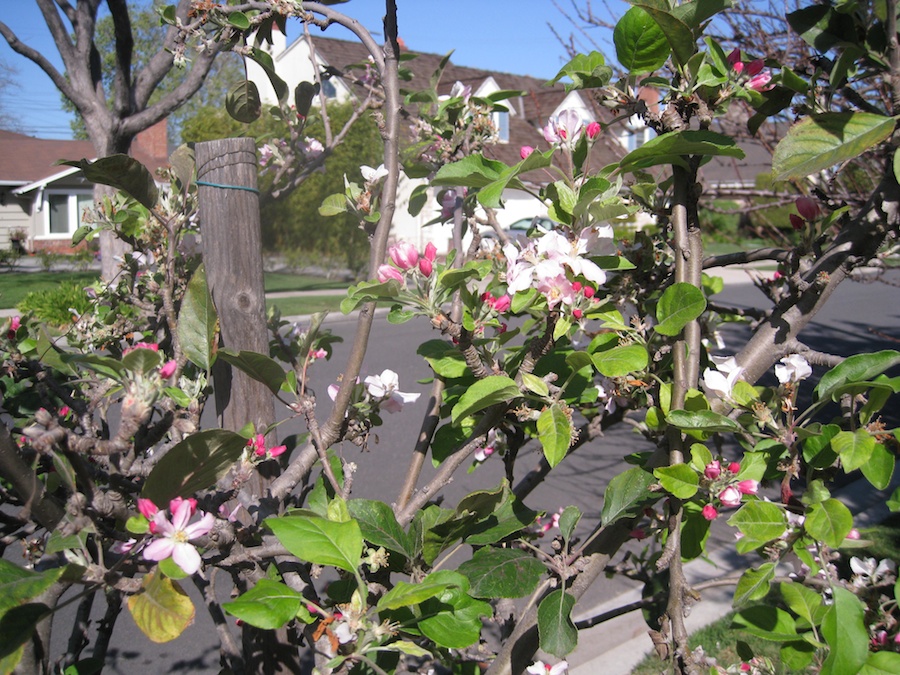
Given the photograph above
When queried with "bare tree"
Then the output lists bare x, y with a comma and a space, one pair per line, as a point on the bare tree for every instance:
114, 115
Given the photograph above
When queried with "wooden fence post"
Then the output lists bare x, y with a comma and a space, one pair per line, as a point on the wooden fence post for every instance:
232, 254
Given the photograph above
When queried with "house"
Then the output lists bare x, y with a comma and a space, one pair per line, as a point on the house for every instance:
41, 203
520, 125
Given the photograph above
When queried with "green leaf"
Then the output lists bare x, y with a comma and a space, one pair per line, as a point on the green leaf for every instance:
268, 605
264, 59
854, 447
555, 433
680, 304
587, 71
856, 368
753, 584
759, 521
242, 102
821, 27
819, 142
483, 394
829, 521
474, 171
320, 541
679, 480
845, 632
162, 610
502, 573
510, 516
405, 594
141, 361
19, 585
669, 148
197, 322
557, 632
882, 663
804, 602
258, 366
18, 626
641, 47
621, 360
239, 20
123, 173
379, 526
766, 622
535, 385
679, 34
625, 495
333, 205
194, 464
304, 93
700, 457
702, 420
880, 468
453, 619
578, 360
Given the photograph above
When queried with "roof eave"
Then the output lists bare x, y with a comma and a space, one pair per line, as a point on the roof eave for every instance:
43, 182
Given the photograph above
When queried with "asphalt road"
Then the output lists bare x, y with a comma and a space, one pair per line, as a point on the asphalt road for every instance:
859, 317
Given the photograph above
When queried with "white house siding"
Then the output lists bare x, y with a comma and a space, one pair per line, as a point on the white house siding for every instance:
12, 217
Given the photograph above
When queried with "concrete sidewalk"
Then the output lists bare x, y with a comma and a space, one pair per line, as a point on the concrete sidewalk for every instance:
617, 646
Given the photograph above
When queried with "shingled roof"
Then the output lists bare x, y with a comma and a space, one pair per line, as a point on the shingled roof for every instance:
533, 109
25, 159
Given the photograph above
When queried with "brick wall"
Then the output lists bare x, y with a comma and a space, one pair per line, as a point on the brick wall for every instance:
153, 141
63, 246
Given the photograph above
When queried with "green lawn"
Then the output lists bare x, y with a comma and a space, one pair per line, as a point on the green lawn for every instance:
307, 305
14, 286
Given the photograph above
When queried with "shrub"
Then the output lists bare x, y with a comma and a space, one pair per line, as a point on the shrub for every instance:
58, 306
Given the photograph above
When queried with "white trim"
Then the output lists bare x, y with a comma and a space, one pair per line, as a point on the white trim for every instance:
43, 182
72, 211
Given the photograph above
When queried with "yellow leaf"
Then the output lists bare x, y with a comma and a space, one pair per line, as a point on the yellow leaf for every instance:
162, 610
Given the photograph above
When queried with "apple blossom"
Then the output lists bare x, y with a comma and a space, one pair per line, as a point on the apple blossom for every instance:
168, 369
460, 90
525, 151
147, 508
373, 175
709, 512
426, 261
720, 382
734, 57
807, 207
385, 388
748, 487
564, 128
734, 467
760, 82
14, 324
312, 148
386, 273
592, 130
755, 67
797, 222
730, 496
792, 368
404, 255
713, 470
541, 668
174, 535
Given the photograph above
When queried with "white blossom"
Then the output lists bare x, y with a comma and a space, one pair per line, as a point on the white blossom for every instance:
792, 368
386, 387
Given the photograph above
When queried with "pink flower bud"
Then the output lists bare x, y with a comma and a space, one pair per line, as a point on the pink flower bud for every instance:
734, 467
430, 252
730, 496
277, 450
576, 286
404, 255
592, 130
748, 487
738, 67
168, 369
502, 303
386, 273
754, 68
797, 222
745, 667
178, 501
577, 313
425, 267
760, 82
152, 346
147, 508
734, 57
525, 151
807, 207
588, 291
709, 512
14, 324
853, 534
64, 411
713, 470
638, 533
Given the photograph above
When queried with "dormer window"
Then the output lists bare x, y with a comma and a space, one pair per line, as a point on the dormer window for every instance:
636, 134
500, 120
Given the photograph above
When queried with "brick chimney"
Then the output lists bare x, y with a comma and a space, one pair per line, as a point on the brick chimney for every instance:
152, 142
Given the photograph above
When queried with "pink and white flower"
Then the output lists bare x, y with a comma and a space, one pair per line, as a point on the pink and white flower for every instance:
730, 496
564, 128
709, 512
168, 369
541, 668
720, 382
404, 255
371, 175
387, 273
173, 536
385, 387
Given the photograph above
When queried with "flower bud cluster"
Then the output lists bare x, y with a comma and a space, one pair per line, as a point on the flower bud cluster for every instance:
753, 73
724, 488
406, 259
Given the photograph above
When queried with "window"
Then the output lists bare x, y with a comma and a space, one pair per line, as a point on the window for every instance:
63, 212
501, 125
636, 136
328, 88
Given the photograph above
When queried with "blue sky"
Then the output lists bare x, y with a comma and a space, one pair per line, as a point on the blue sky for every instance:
504, 35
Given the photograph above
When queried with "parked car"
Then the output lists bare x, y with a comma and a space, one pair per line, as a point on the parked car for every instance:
518, 231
